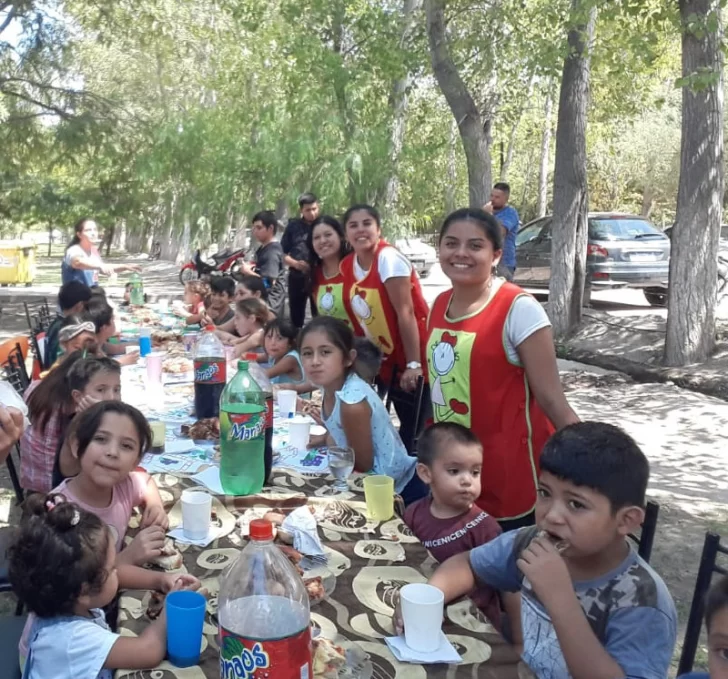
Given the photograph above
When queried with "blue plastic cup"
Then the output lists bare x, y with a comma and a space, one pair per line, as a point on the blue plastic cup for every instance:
185, 616
145, 345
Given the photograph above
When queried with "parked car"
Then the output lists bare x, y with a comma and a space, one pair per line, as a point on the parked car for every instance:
657, 295
422, 256
622, 250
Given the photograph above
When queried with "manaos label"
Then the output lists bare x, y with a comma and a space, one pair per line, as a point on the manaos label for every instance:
209, 371
242, 658
245, 426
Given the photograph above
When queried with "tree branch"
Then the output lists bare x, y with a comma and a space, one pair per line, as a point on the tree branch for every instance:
8, 19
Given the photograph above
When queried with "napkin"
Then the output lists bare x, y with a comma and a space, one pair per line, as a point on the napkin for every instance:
214, 532
210, 478
445, 652
302, 525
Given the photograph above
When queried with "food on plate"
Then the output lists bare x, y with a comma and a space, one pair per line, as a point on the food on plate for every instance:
177, 365
162, 336
315, 588
170, 559
561, 545
207, 429
328, 658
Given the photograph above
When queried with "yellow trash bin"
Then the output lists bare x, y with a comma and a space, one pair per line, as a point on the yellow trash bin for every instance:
17, 263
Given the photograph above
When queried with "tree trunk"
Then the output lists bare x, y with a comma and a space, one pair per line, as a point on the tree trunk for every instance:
473, 132
543, 172
400, 101
452, 169
648, 199
571, 201
692, 295
512, 136
169, 240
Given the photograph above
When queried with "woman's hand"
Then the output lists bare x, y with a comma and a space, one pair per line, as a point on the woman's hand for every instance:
408, 380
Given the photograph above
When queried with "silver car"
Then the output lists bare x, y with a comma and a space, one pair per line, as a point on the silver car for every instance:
622, 250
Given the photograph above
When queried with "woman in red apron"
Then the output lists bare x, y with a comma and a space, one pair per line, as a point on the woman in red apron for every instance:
328, 247
387, 302
492, 366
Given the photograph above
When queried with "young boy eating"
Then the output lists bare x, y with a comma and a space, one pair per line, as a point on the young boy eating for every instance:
222, 292
591, 607
101, 314
716, 622
72, 298
449, 459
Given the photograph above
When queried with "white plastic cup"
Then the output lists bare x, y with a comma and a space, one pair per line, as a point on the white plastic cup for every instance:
163, 305
299, 432
154, 367
286, 402
196, 514
422, 609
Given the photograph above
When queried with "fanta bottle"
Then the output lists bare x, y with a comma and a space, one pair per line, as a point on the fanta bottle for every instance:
242, 434
264, 614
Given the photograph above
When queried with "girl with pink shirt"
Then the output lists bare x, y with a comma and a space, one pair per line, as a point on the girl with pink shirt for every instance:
108, 441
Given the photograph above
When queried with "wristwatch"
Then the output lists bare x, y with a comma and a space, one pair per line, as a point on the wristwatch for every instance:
414, 365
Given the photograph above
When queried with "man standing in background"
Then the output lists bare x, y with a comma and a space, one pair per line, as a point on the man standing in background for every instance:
509, 219
297, 255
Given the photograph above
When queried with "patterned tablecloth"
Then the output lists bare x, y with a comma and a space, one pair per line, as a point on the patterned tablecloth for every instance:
370, 562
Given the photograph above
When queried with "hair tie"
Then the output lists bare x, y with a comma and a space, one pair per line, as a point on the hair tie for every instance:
50, 505
53, 502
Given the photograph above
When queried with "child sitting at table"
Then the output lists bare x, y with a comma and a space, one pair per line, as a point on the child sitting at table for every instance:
193, 310
590, 606
62, 565
251, 315
279, 340
449, 460
52, 403
222, 291
101, 314
72, 298
108, 441
716, 623
351, 411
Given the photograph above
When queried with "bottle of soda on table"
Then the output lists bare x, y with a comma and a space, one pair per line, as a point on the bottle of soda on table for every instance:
242, 434
263, 381
264, 614
136, 292
210, 373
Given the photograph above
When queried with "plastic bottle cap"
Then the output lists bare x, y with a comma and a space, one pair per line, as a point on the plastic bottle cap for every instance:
260, 529
242, 365
210, 328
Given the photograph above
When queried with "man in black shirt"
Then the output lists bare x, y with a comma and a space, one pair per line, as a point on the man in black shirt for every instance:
297, 256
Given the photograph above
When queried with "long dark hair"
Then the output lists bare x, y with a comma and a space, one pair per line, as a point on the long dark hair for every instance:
78, 228
88, 422
54, 392
335, 224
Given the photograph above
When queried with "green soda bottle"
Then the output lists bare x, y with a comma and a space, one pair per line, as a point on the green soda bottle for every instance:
136, 293
242, 434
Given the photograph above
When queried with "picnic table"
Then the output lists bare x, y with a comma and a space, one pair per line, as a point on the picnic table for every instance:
368, 561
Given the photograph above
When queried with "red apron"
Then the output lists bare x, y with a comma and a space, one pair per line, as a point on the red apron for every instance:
331, 298
473, 383
376, 315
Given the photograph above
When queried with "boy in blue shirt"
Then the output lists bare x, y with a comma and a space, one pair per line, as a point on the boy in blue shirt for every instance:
510, 221
591, 608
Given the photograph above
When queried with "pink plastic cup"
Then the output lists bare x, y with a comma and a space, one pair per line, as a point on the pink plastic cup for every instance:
154, 367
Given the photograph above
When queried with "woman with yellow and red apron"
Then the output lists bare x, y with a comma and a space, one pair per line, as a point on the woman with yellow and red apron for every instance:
328, 247
387, 302
492, 366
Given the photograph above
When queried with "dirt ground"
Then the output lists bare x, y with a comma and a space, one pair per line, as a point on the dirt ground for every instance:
683, 433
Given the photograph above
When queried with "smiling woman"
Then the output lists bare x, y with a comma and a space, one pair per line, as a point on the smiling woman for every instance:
388, 304
82, 261
492, 366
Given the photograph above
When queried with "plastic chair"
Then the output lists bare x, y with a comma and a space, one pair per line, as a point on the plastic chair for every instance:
14, 370
708, 566
646, 538
413, 399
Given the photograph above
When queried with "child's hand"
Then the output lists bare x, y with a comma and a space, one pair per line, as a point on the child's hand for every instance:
546, 570
128, 359
154, 515
146, 545
317, 440
177, 582
85, 403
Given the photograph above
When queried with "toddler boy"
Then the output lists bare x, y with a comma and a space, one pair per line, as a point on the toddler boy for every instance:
591, 607
449, 460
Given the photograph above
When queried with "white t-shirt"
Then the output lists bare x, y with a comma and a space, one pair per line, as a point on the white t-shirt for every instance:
391, 262
71, 647
525, 318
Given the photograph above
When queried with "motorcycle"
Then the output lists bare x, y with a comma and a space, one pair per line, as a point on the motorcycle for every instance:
223, 263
